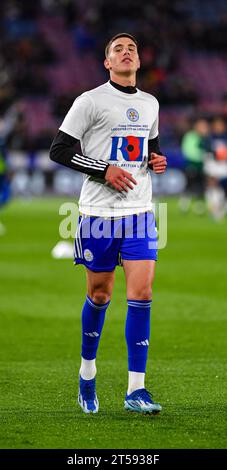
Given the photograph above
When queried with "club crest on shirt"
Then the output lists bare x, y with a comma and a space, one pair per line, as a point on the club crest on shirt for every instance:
132, 114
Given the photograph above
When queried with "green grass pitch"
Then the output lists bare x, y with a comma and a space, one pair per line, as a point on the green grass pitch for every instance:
40, 303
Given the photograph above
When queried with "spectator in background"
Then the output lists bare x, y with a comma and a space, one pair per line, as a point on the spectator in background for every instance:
195, 145
219, 138
4, 186
7, 124
84, 37
215, 169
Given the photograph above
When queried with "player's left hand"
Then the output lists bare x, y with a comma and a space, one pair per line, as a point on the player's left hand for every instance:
157, 163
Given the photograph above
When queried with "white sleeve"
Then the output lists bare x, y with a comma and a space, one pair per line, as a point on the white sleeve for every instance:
154, 128
79, 118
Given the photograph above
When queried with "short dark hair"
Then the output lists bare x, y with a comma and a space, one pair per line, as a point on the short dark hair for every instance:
120, 35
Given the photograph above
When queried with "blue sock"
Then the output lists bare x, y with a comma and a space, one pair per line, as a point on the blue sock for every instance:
137, 333
93, 316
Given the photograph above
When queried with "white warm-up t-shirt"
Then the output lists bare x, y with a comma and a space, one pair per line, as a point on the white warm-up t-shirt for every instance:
115, 127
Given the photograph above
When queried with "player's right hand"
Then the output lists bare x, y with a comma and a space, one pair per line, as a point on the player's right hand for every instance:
119, 178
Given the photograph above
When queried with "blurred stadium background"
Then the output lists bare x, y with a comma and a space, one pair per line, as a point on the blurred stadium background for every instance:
50, 52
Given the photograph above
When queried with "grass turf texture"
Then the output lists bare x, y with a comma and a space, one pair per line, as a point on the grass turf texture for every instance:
41, 301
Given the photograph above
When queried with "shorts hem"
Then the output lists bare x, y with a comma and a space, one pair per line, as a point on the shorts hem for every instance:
95, 269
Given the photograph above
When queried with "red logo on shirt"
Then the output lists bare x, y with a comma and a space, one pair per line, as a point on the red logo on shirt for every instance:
130, 148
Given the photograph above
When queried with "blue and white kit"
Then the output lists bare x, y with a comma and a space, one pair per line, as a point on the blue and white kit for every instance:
114, 127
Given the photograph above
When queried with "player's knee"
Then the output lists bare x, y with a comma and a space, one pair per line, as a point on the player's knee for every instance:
140, 294
100, 297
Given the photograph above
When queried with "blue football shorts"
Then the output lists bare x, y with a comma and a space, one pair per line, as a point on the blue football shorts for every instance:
102, 243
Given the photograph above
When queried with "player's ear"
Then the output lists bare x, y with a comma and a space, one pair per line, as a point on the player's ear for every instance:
138, 64
107, 64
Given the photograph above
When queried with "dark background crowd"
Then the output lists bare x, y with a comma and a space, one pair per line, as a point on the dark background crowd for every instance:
52, 50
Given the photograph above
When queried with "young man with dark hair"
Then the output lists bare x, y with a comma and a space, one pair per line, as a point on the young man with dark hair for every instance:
117, 126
